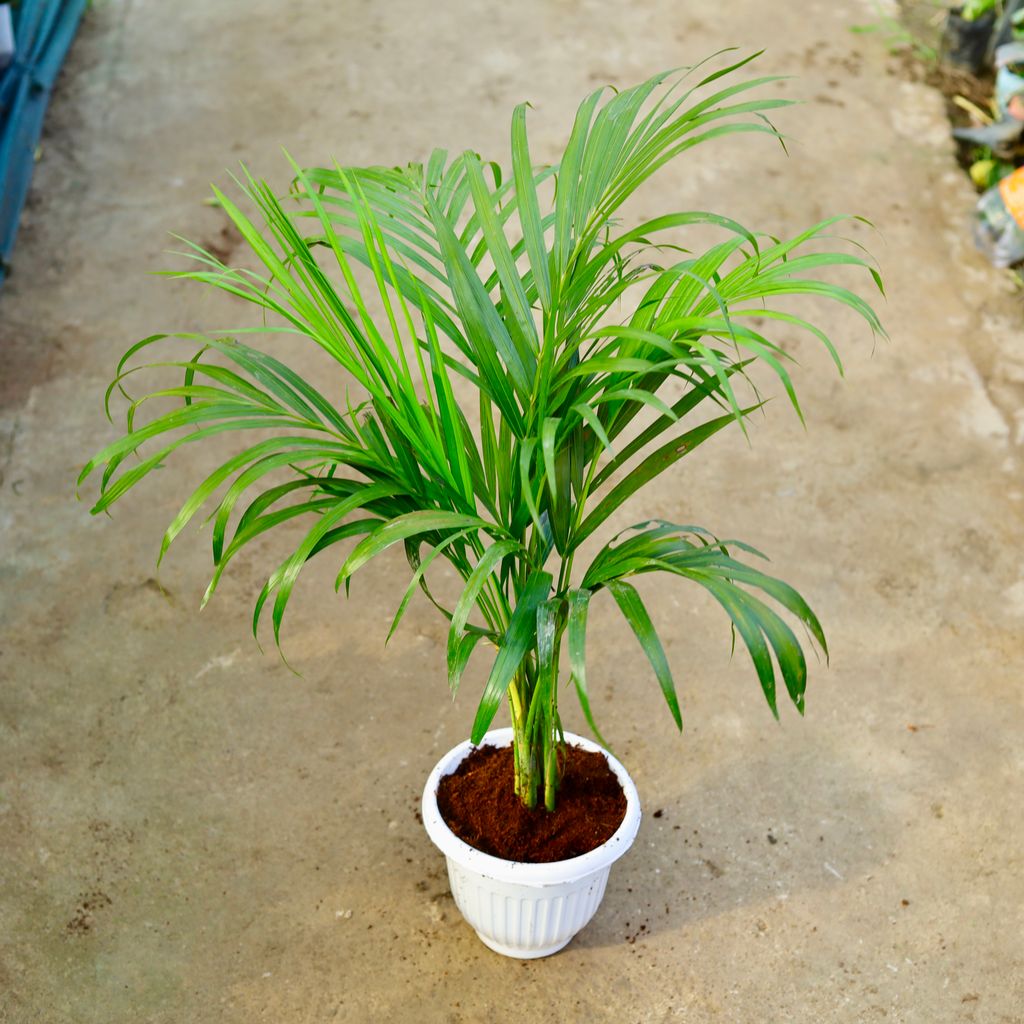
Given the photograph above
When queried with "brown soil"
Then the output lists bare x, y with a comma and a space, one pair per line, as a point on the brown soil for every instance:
479, 804
953, 82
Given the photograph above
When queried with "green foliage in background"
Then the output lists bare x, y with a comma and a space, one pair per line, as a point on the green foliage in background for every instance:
972, 10
898, 37
511, 365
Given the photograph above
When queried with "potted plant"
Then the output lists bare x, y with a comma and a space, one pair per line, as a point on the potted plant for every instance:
509, 366
967, 35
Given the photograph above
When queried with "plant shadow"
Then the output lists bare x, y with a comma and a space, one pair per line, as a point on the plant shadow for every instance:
753, 832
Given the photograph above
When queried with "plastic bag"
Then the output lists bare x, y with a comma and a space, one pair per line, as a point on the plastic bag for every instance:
965, 44
1009, 78
999, 221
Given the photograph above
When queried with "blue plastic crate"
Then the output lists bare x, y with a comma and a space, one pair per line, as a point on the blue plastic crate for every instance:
43, 30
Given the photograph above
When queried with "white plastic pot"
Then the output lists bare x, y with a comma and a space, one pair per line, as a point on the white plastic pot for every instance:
526, 910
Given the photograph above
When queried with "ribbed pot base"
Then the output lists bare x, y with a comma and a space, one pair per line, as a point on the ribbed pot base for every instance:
522, 954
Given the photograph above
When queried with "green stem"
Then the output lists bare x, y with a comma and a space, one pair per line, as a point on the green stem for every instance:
551, 772
524, 757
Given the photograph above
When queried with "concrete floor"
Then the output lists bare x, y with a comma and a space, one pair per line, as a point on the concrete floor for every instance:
189, 832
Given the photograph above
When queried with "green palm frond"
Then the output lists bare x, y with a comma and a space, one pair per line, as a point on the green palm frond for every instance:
423, 283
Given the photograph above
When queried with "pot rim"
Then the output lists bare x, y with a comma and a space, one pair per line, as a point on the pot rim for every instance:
553, 872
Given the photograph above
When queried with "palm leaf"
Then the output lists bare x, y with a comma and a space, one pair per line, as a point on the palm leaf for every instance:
571, 334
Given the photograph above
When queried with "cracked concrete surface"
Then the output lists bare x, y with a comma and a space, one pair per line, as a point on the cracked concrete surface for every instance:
188, 832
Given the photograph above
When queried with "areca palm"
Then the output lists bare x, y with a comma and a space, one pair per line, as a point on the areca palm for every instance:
436, 280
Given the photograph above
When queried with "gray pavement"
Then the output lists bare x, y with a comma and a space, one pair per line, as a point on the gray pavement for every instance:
191, 833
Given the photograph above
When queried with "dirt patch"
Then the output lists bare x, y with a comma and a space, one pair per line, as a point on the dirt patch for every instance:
85, 913
224, 243
955, 84
479, 804
31, 357
948, 80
